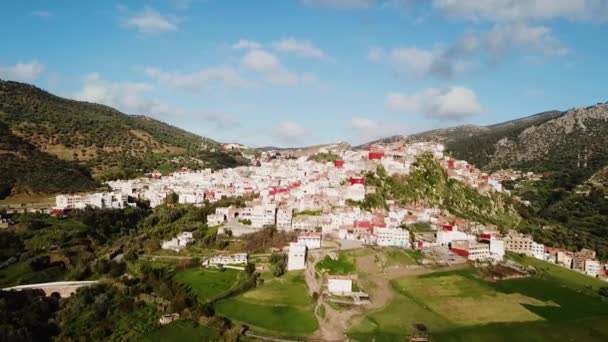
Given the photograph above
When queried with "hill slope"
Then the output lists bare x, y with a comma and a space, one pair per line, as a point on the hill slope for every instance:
106, 142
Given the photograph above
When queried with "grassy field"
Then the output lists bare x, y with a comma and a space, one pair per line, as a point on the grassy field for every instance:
396, 256
207, 285
342, 265
460, 306
28, 199
18, 274
281, 306
559, 274
182, 331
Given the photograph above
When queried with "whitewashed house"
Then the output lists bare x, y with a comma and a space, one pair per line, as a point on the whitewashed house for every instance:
179, 242
296, 258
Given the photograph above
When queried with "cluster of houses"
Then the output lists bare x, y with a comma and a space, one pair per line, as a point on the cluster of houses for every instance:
303, 195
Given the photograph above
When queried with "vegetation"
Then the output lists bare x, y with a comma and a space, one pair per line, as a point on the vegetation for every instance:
267, 238
281, 306
27, 316
50, 144
324, 157
279, 263
460, 306
341, 266
183, 331
428, 185
208, 285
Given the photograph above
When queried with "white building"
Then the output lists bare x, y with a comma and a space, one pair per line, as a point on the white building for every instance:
230, 259
538, 250
215, 219
449, 233
178, 243
497, 249
394, 237
592, 267
296, 258
284, 218
311, 240
103, 200
339, 286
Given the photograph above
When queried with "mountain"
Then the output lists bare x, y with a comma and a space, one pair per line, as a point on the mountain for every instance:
93, 140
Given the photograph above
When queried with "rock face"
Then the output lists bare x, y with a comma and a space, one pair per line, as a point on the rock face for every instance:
576, 139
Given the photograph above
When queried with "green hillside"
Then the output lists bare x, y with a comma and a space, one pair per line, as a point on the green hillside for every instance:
98, 139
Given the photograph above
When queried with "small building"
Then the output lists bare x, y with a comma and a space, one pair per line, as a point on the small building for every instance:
472, 250
592, 267
178, 243
227, 259
339, 286
311, 240
296, 258
168, 318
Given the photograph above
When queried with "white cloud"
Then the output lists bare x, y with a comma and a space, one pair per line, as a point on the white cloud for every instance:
375, 54
200, 80
22, 71
448, 103
338, 3
151, 21
367, 129
130, 97
595, 10
301, 48
244, 44
475, 47
43, 14
290, 132
272, 69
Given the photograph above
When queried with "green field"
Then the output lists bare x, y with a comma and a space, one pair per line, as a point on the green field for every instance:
460, 306
281, 306
398, 257
342, 265
208, 285
182, 331
18, 274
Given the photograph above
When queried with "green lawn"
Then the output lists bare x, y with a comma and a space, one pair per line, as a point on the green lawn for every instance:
281, 306
459, 306
208, 285
342, 265
182, 331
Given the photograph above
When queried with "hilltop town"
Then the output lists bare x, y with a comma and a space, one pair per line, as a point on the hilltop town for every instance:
318, 196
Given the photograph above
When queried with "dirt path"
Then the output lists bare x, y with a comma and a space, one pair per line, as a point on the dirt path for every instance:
375, 280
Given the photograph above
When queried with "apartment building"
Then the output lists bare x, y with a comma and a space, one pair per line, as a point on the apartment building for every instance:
393, 237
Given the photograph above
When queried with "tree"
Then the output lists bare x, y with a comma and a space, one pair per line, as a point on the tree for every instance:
279, 263
39, 263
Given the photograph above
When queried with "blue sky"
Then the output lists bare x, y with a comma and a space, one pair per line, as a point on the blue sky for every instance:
312, 71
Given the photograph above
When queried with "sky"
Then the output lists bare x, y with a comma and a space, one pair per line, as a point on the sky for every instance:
303, 72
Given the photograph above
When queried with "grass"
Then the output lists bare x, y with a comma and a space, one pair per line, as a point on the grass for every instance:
28, 199
460, 306
342, 265
182, 331
207, 285
19, 274
321, 311
402, 257
559, 274
282, 306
